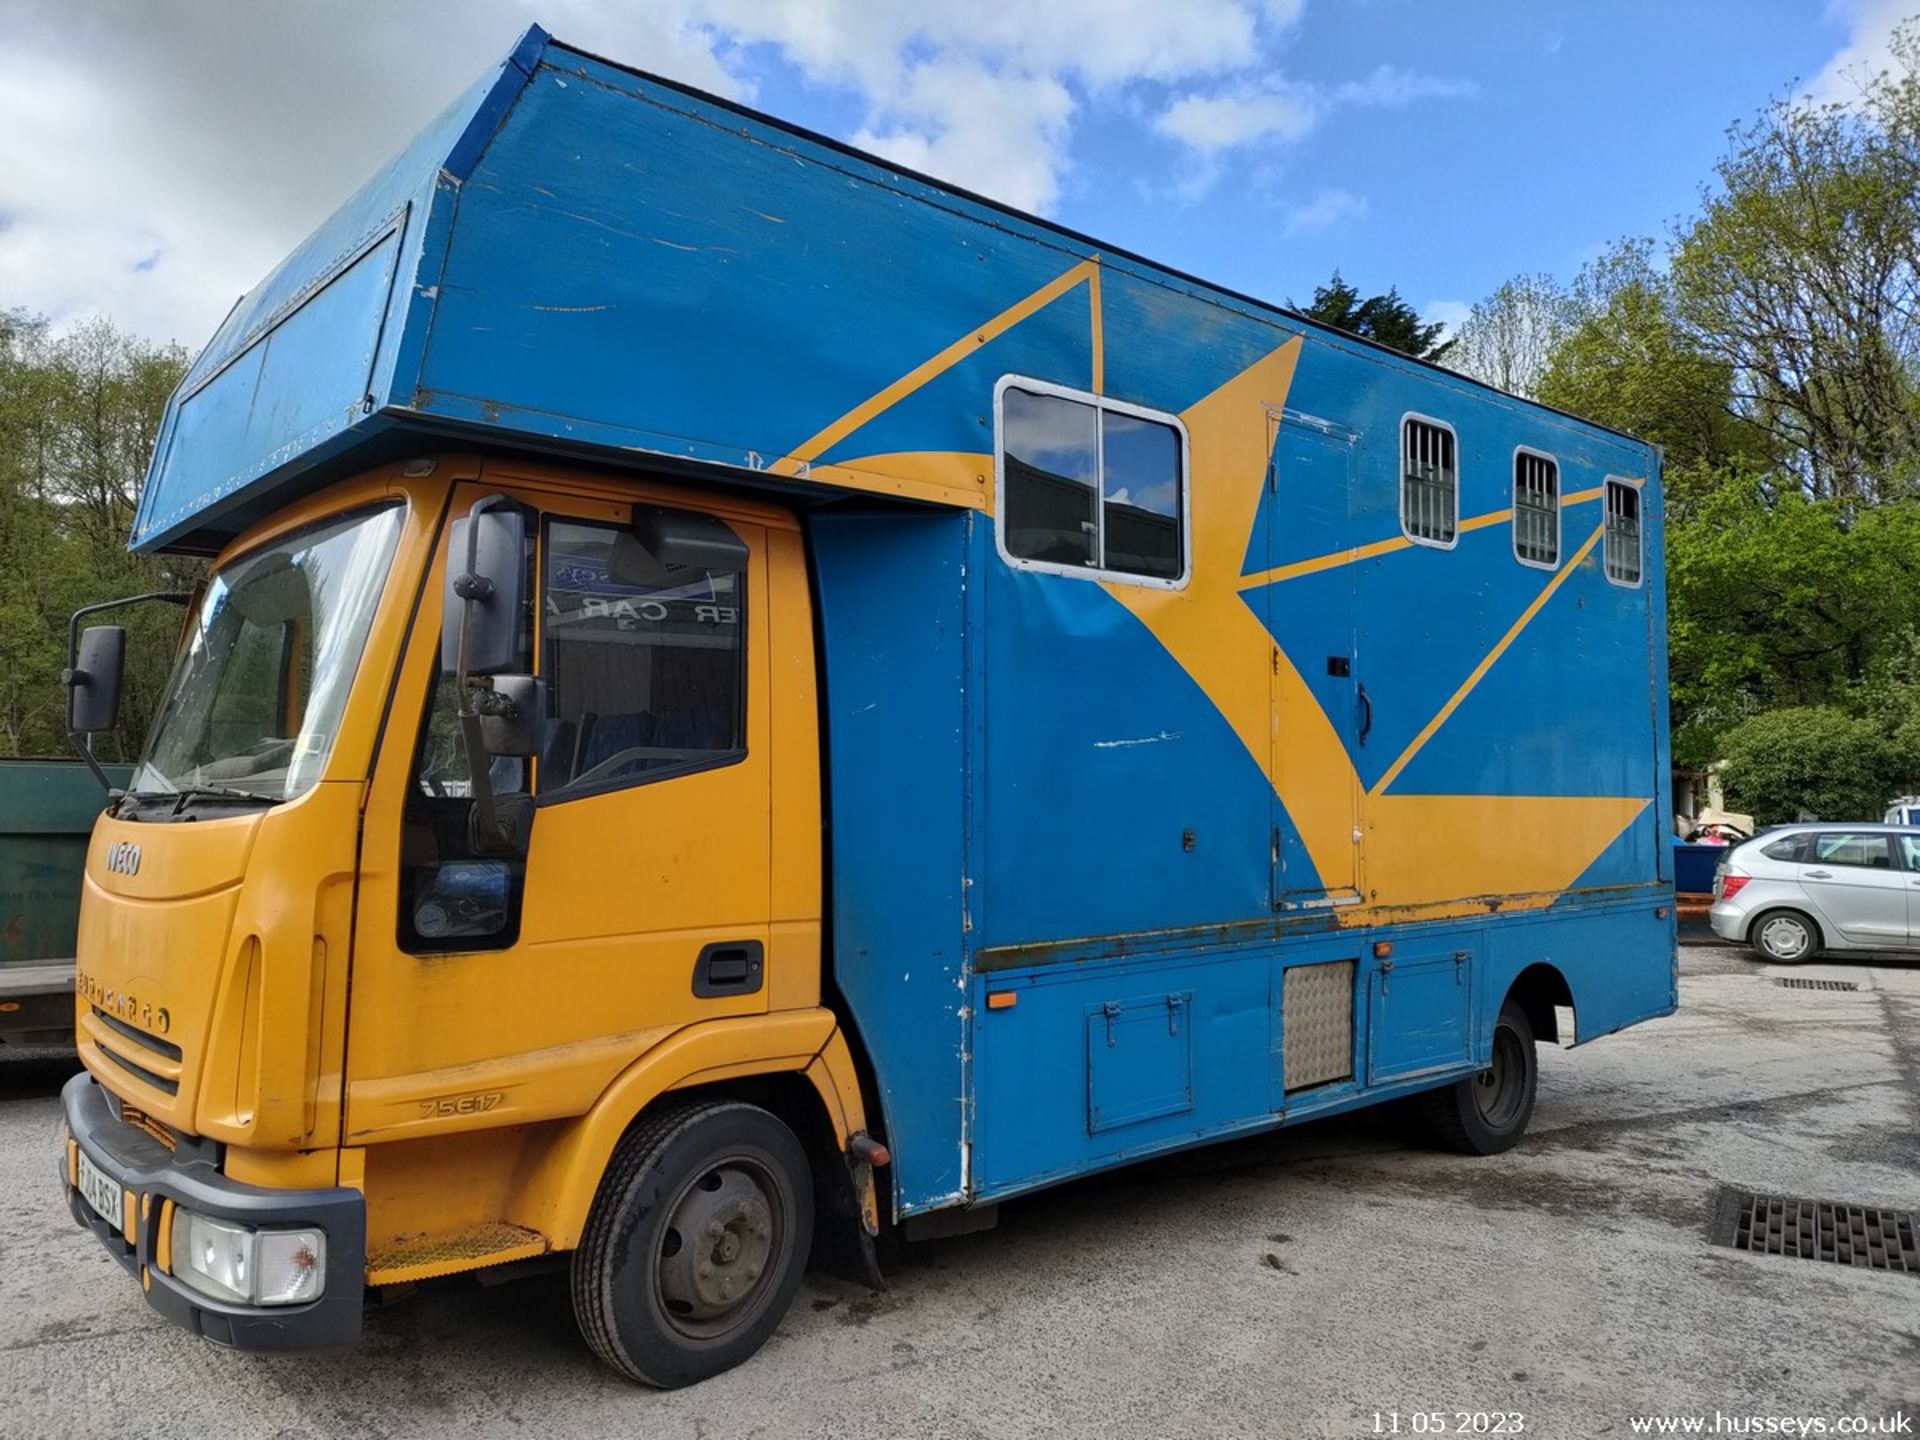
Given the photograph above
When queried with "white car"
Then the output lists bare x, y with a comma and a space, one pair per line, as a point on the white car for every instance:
1799, 889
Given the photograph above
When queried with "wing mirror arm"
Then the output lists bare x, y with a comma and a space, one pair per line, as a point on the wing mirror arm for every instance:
95, 659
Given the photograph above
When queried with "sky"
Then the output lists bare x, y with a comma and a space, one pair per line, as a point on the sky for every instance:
157, 157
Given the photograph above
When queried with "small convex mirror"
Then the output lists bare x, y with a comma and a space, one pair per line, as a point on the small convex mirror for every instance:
512, 710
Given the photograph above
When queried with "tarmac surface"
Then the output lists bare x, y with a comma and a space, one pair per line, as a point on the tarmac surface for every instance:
1332, 1280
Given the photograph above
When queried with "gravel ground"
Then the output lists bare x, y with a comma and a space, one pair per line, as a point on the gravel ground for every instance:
1312, 1283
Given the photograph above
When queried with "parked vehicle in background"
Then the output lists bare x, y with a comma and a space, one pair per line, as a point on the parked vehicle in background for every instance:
1797, 890
1904, 811
47, 810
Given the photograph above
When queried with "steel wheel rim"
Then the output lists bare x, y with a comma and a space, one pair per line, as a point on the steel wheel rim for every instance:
721, 1248
1785, 938
1497, 1089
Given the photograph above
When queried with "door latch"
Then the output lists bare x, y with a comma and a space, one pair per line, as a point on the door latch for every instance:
729, 967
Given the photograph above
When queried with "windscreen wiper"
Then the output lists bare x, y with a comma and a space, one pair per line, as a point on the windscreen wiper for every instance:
188, 793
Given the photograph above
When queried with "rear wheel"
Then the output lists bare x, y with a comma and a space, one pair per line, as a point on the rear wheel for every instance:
696, 1242
1488, 1112
1785, 937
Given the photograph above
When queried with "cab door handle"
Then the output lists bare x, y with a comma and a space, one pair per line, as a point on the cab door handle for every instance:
729, 967
1819, 874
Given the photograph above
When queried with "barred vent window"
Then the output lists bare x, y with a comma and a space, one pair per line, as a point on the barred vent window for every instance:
1536, 509
1429, 483
1623, 533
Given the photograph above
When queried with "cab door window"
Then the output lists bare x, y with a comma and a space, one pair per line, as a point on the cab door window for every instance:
644, 661
454, 896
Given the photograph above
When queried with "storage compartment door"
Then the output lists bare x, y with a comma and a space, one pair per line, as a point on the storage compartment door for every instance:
1419, 1015
1139, 1060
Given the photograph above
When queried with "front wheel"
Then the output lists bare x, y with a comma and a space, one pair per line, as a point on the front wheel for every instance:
1785, 937
695, 1244
1488, 1112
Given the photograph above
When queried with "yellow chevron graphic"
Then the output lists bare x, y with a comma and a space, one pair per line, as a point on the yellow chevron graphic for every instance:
1425, 855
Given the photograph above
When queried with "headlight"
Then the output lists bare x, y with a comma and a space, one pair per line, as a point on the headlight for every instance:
249, 1267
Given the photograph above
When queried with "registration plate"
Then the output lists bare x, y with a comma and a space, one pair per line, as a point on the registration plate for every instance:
102, 1192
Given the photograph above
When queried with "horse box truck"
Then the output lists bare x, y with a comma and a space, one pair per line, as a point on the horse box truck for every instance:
748, 699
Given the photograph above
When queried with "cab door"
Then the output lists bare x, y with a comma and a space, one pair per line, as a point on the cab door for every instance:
521, 985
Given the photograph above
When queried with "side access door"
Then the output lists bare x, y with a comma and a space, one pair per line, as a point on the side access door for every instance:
1321, 710
518, 986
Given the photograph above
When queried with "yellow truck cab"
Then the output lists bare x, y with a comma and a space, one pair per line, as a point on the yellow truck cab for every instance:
748, 699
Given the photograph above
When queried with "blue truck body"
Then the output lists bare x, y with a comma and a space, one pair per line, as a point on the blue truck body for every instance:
1153, 813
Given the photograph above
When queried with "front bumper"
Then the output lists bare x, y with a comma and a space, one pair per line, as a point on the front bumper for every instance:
153, 1174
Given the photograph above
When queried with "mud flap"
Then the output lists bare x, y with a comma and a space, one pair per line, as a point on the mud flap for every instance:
846, 1221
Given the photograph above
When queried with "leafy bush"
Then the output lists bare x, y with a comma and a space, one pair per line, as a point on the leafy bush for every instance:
1815, 759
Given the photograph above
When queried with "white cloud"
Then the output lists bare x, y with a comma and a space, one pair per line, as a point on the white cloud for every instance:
1450, 313
1870, 26
1327, 210
216, 136
156, 161
1004, 136
1211, 123
1389, 85
1214, 121
982, 94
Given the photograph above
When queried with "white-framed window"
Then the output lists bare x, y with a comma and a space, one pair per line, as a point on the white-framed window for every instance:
1089, 486
1622, 546
1536, 508
1429, 482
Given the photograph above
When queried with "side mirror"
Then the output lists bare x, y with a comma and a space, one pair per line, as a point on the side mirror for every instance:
480, 626
93, 679
512, 715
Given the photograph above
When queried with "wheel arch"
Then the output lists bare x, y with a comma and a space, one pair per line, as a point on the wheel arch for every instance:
1538, 989
795, 1065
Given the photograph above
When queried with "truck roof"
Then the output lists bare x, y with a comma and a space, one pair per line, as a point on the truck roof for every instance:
577, 255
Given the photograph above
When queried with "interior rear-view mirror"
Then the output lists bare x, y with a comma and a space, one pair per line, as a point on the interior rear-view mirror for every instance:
687, 540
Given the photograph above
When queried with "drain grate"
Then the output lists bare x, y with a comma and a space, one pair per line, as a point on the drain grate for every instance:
1798, 984
1866, 1236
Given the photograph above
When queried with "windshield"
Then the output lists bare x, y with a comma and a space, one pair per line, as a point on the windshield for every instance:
256, 696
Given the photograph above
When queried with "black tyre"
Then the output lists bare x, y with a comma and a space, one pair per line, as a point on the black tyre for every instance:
696, 1242
1785, 937
1487, 1113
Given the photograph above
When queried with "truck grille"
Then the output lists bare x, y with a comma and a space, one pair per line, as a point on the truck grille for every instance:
140, 1120
161, 1054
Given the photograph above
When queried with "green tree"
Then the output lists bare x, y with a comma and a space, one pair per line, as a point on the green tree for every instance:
1625, 359
78, 416
1801, 275
1784, 601
1816, 760
1511, 337
1384, 319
